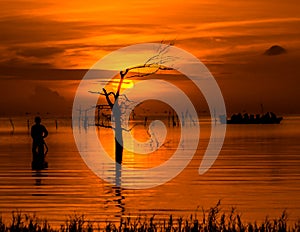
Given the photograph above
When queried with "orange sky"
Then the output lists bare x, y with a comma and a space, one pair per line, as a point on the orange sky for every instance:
228, 36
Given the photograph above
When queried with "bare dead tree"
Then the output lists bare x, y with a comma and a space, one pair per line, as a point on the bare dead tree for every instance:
118, 102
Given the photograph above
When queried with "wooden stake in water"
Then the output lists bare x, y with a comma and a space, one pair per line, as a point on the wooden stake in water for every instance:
12, 126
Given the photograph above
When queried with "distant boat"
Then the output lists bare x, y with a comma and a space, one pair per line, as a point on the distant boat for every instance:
268, 118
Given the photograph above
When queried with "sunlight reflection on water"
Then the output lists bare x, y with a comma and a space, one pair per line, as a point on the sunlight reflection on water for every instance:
258, 171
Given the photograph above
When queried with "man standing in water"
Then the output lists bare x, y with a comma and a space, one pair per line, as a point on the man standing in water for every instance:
38, 133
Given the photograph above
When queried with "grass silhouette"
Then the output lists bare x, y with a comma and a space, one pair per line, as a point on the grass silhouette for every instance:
212, 221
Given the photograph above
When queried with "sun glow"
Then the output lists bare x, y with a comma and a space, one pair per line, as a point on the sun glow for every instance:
127, 84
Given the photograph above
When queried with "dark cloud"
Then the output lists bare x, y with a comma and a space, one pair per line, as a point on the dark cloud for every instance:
38, 52
41, 39
46, 100
17, 30
92, 47
19, 96
275, 50
45, 73
15, 63
42, 57
41, 73
24, 29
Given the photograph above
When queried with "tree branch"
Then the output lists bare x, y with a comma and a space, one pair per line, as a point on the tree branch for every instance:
159, 67
104, 126
155, 62
126, 98
130, 129
97, 92
107, 97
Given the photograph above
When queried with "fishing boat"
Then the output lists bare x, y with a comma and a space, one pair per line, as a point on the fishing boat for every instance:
267, 118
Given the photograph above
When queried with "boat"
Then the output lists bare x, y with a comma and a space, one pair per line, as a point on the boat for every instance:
267, 118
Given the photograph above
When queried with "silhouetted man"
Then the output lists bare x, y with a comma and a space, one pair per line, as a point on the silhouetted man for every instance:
38, 133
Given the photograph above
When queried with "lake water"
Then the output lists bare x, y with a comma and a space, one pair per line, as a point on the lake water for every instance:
257, 171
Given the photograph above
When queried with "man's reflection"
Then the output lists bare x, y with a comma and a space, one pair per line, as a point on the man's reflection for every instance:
38, 175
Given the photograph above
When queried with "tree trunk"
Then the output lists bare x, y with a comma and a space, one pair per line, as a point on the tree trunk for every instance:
118, 150
118, 136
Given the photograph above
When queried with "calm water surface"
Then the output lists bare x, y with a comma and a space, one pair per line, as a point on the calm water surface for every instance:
257, 171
